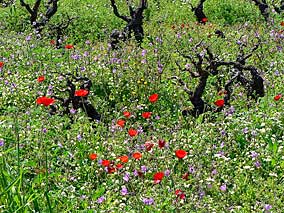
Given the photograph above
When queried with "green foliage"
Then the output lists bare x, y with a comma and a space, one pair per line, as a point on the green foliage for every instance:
44, 159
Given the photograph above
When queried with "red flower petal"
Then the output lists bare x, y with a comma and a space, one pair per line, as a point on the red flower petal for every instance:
277, 97
40, 78
219, 103
52, 42
181, 153
110, 170
69, 46
121, 123
148, 146
185, 176
178, 191
161, 143
204, 20
182, 196
158, 177
123, 159
119, 166
137, 155
81, 93
132, 132
146, 115
153, 98
105, 163
126, 114
93, 156
45, 101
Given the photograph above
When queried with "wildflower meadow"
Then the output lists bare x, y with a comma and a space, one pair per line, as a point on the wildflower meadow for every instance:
141, 106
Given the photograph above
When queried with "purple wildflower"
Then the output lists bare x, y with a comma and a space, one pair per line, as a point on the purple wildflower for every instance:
191, 169
75, 57
160, 67
178, 35
140, 129
73, 111
144, 61
148, 201
223, 187
214, 172
144, 52
79, 137
223, 132
126, 177
83, 197
245, 130
267, 207
159, 40
28, 38
144, 169
101, 199
135, 173
254, 154
257, 164
86, 53
167, 173
123, 191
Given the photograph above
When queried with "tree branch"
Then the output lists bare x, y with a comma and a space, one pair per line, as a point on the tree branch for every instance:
115, 11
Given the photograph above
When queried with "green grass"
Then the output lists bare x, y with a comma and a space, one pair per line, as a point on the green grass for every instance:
44, 159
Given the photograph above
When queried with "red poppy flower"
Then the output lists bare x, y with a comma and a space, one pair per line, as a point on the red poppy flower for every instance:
158, 177
282, 23
45, 101
1, 64
105, 163
119, 166
121, 123
81, 93
185, 176
148, 146
132, 132
126, 114
146, 115
137, 155
178, 191
40, 78
181, 153
180, 194
110, 170
69, 46
182, 26
153, 98
204, 20
52, 42
219, 103
93, 156
161, 143
277, 97
123, 159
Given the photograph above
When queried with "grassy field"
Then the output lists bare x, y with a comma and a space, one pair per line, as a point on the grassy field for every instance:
143, 155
